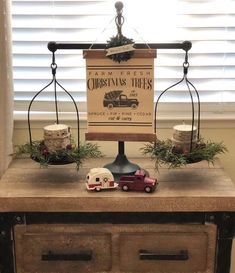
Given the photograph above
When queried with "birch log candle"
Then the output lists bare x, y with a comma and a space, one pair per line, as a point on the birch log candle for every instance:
57, 136
182, 137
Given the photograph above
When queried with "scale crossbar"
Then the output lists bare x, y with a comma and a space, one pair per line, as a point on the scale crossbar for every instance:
53, 46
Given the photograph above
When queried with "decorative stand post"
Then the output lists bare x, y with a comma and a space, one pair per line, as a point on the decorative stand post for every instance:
121, 165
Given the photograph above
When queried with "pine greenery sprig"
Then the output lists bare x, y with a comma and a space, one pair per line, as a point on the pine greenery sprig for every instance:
72, 154
163, 153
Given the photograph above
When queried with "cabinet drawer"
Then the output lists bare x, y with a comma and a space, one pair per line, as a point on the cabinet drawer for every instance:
115, 248
168, 249
60, 249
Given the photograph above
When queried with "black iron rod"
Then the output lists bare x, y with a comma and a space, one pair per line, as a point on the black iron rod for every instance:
199, 109
56, 102
29, 108
156, 104
193, 113
121, 148
53, 46
77, 112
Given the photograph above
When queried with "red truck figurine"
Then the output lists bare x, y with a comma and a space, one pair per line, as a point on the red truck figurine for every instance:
140, 181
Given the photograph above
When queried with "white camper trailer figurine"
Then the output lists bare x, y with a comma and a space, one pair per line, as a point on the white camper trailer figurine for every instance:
100, 178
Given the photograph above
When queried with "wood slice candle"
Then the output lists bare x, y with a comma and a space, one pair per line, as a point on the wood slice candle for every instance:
182, 137
57, 136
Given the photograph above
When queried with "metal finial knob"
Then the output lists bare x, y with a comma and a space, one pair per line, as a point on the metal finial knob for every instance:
119, 6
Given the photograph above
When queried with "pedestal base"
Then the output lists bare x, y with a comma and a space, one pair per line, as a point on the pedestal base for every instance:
122, 166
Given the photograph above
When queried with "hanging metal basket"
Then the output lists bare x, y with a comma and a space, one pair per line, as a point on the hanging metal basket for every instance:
39, 151
192, 92
171, 151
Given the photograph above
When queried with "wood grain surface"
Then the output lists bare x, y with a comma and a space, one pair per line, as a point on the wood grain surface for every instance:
198, 187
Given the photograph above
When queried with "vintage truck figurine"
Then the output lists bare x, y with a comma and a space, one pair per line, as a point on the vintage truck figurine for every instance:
140, 181
100, 178
117, 99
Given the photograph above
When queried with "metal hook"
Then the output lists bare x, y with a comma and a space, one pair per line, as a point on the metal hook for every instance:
53, 64
119, 20
186, 64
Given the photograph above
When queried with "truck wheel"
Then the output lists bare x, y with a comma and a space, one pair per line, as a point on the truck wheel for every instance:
148, 189
97, 189
125, 188
134, 106
110, 106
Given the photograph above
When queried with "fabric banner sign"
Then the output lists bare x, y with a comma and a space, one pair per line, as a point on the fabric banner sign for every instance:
120, 49
120, 95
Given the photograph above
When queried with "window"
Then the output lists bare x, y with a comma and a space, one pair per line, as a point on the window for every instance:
209, 24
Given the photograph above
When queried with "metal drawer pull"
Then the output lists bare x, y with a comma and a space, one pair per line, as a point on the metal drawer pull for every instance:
146, 255
82, 256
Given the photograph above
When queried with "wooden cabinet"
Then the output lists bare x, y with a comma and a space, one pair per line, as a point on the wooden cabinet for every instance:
50, 223
100, 248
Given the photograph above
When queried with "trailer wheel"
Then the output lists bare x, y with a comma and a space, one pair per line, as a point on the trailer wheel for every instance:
148, 189
97, 189
125, 188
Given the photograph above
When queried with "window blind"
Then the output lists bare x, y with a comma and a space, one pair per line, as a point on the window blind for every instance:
208, 24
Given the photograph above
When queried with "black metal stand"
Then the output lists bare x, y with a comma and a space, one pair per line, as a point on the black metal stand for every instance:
225, 222
121, 165
186, 45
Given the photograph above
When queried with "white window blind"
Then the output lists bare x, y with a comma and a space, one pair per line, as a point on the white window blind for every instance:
208, 24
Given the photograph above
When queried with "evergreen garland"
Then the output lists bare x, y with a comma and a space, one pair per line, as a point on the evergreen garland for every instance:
163, 152
72, 154
120, 40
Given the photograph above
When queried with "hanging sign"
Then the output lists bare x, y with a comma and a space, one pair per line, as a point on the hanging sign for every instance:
120, 49
120, 96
